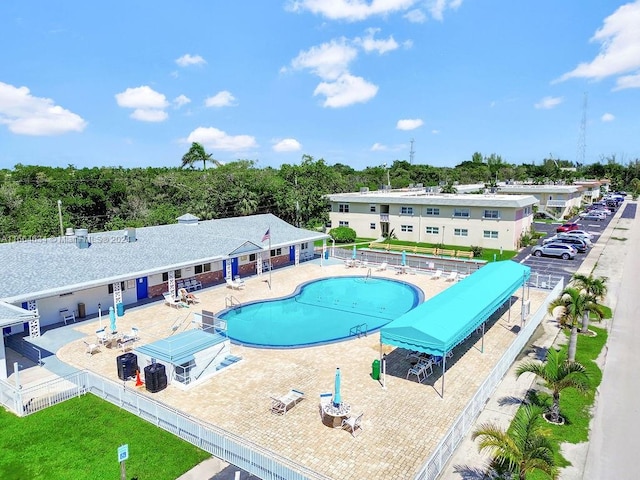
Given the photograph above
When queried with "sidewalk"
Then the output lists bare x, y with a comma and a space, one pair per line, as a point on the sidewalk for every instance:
467, 463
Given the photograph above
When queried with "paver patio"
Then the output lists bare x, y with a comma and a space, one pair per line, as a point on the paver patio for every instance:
402, 424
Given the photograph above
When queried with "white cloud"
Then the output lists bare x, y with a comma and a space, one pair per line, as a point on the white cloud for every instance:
608, 117
221, 99
437, 7
378, 147
620, 46
25, 114
627, 81
435, 132
149, 115
215, 139
181, 101
549, 102
328, 61
415, 16
149, 105
287, 145
409, 124
370, 44
345, 91
187, 59
351, 10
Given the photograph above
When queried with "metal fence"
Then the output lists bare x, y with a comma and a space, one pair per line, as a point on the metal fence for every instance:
432, 468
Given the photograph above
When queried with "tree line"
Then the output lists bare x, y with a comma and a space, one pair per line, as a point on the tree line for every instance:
112, 198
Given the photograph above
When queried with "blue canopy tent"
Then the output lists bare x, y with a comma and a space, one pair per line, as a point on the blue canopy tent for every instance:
444, 321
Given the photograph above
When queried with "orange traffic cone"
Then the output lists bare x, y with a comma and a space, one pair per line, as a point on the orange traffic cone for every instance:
139, 382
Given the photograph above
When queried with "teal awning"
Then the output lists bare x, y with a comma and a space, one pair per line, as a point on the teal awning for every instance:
444, 321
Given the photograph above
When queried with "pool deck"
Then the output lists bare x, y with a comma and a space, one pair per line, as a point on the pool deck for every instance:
402, 424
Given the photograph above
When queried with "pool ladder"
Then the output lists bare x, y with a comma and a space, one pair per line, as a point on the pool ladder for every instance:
230, 301
359, 330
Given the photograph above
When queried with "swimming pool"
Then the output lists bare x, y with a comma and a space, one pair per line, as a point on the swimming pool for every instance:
322, 311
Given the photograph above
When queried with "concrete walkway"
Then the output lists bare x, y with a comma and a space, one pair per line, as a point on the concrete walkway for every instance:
616, 413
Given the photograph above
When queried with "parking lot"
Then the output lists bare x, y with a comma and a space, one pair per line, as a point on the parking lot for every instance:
549, 268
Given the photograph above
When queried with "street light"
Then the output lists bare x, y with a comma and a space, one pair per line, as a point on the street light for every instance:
100, 316
388, 180
60, 217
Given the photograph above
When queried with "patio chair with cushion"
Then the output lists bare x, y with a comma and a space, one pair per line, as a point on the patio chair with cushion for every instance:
280, 405
353, 424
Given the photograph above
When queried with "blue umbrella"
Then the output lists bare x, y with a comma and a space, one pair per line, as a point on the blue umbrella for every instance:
404, 258
112, 317
353, 255
336, 396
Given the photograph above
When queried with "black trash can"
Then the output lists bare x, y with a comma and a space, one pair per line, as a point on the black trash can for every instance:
155, 377
127, 365
82, 311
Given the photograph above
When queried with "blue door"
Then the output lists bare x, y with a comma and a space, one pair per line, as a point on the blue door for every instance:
142, 288
234, 267
292, 253
224, 269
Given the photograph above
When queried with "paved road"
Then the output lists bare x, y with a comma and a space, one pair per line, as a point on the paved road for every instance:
616, 423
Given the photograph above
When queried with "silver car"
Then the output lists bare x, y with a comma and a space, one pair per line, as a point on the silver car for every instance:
561, 250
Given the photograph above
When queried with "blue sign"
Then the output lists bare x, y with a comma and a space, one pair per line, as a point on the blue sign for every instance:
123, 453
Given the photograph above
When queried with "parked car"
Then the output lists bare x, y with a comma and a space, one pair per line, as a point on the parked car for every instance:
576, 242
587, 237
568, 227
593, 216
561, 250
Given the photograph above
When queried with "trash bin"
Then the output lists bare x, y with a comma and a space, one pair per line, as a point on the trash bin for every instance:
326, 254
82, 311
120, 309
375, 369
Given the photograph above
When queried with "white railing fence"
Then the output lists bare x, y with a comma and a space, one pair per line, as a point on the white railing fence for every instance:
432, 468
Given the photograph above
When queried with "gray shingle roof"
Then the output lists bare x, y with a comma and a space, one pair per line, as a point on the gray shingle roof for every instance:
41, 268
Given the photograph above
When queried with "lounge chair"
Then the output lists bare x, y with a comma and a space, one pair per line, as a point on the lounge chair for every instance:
233, 284
452, 276
381, 267
173, 302
188, 297
437, 274
280, 405
325, 399
91, 348
353, 423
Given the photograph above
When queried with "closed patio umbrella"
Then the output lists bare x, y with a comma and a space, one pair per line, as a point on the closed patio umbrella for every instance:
404, 258
354, 253
337, 400
112, 317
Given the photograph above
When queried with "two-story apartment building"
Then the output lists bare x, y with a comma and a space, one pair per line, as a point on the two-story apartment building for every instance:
488, 221
555, 200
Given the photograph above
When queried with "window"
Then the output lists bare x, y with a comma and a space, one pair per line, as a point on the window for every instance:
432, 230
202, 268
492, 214
490, 234
176, 273
343, 208
432, 211
111, 287
372, 226
343, 223
406, 228
406, 210
252, 257
276, 252
304, 246
461, 232
372, 208
461, 212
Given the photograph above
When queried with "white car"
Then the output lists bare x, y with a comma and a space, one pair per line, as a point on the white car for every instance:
580, 234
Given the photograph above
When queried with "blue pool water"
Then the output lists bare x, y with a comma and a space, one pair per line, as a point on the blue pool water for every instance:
321, 311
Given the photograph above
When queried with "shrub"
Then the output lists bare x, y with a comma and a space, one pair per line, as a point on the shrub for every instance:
343, 234
477, 251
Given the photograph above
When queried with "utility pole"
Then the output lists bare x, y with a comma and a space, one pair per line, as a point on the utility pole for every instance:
60, 217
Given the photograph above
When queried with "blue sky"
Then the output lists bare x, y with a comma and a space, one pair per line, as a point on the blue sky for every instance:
133, 83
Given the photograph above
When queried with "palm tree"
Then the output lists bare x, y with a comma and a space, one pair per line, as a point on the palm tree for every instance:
196, 154
594, 287
522, 449
572, 305
557, 373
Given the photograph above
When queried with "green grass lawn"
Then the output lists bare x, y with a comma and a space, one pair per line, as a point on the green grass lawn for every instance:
79, 439
574, 406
